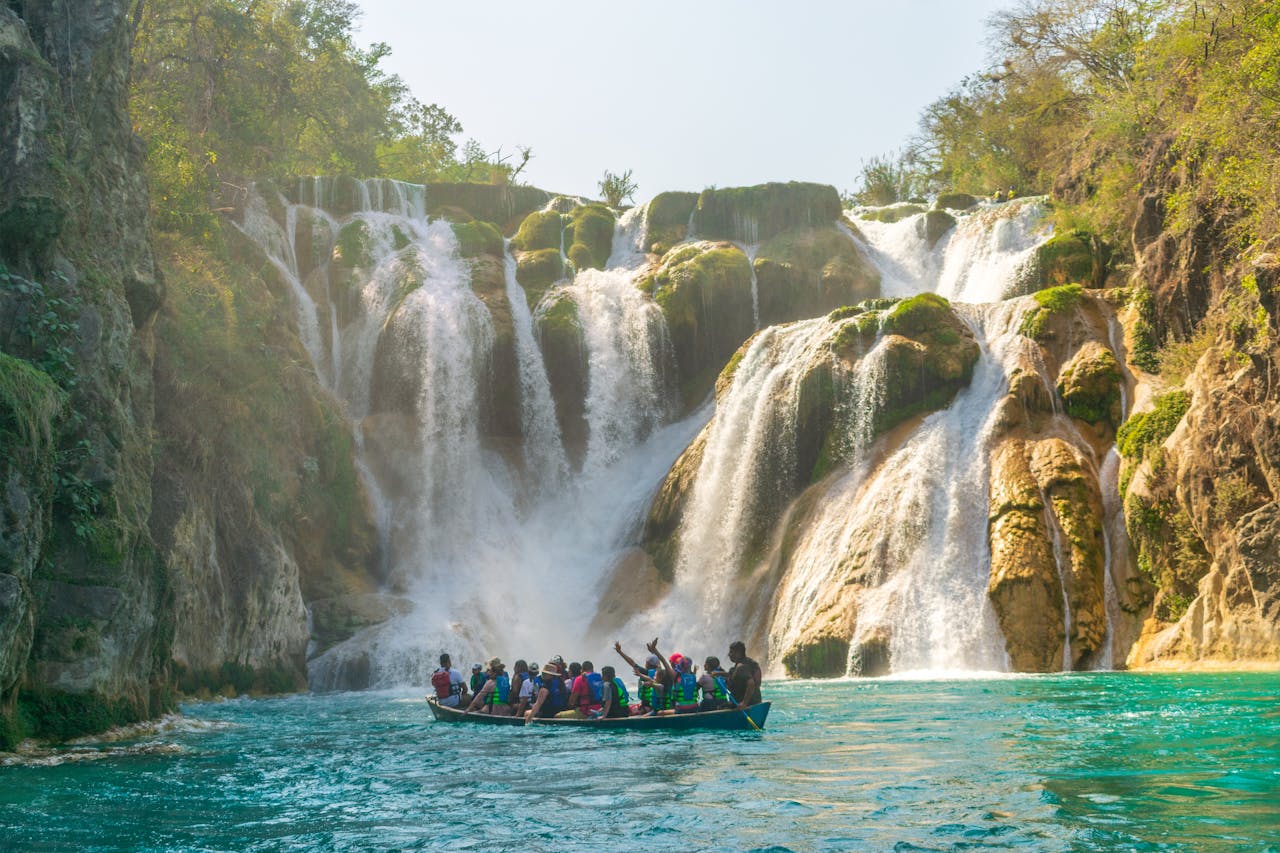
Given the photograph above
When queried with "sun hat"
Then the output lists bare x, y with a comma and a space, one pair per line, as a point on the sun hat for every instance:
533, 667
552, 669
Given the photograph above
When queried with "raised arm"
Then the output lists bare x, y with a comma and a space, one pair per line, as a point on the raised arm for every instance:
617, 647
653, 649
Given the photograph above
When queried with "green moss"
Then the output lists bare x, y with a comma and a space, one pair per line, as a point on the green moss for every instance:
500, 203
667, 219
1053, 300
399, 239
921, 313
825, 658
1145, 353
754, 214
1075, 256
30, 225
537, 271
1149, 429
896, 213
1059, 299
57, 715
352, 246
30, 403
1090, 389
589, 235
540, 230
478, 238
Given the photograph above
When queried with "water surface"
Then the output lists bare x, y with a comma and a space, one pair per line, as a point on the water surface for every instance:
1067, 762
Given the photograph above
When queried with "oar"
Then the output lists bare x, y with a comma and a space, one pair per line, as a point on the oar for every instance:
749, 720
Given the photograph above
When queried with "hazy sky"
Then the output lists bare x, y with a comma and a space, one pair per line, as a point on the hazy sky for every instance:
686, 94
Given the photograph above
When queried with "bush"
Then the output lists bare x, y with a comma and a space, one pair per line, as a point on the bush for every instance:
1149, 429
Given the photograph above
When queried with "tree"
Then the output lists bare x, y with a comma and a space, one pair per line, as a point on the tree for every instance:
616, 188
888, 178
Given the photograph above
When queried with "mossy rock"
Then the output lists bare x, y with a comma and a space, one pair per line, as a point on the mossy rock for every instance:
500, 413
1151, 428
1051, 302
59, 715
825, 657
808, 272
935, 224
892, 213
589, 235
488, 202
30, 403
667, 220
704, 291
478, 238
755, 214
1074, 257
954, 201
559, 333
537, 271
352, 248
1089, 385
542, 229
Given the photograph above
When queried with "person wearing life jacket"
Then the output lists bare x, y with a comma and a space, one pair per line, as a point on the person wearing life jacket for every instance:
551, 698
648, 689
494, 697
714, 684
478, 678
529, 688
587, 696
450, 689
684, 693
616, 701
666, 678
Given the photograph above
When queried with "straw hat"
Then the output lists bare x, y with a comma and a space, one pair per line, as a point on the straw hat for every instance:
552, 669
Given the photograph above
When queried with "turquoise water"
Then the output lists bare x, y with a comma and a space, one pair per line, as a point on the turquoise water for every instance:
1076, 762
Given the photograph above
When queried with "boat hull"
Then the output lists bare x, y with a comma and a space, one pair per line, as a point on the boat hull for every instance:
749, 719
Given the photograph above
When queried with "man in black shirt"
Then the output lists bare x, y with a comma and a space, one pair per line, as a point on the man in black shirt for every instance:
744, 677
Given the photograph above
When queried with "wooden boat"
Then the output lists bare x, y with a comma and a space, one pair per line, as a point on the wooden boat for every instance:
750, 719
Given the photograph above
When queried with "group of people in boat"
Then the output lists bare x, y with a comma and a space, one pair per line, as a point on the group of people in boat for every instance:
664, 685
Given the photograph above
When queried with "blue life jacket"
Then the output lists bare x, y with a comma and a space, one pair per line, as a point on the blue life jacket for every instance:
556, 698
595, 683
685, 690
502, 689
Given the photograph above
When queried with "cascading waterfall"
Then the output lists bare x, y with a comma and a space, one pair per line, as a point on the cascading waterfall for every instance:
494, 547
491, 551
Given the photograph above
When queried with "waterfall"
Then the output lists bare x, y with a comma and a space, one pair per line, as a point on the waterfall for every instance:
490, 549
628, 351
544, 450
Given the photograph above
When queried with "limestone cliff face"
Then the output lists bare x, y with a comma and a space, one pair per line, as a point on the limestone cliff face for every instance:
86, 622
1201, 453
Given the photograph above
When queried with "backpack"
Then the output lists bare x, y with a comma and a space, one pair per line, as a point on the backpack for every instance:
440, 681
595, 683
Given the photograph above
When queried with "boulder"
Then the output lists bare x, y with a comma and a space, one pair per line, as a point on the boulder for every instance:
589, 236
754, 214
934, 225
704, 291
667, 220
559, 334
1089, 385
807, 272
954, 201
543, 229
1024, 586
537, 271
1076, 257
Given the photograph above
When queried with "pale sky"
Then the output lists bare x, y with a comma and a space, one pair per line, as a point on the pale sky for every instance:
686, 94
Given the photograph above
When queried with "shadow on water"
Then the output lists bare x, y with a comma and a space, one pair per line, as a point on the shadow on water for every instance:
1085, 762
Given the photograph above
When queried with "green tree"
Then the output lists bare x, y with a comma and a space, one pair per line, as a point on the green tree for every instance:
617, 188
